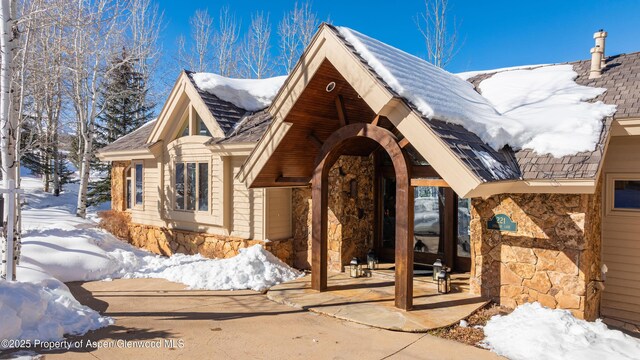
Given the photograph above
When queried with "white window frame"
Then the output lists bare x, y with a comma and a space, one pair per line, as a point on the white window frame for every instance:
610, 194
128, 187
134, 203
197, 187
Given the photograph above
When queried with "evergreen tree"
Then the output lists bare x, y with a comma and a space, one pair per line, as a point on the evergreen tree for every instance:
126, 108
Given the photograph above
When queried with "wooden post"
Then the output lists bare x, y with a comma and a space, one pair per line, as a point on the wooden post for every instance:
331, 150
319, 199
404, 240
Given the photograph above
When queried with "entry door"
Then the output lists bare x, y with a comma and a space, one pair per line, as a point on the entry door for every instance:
441, 226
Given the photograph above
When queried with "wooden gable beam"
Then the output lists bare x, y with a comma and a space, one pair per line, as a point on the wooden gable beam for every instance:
429, 182
342, 112
314, 139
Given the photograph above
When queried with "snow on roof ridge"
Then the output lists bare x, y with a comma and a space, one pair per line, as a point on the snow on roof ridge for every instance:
541, 109
248, 94
466, 75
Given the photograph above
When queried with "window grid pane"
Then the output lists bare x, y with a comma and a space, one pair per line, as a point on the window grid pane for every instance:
203, 186
138, 184
191, 186
626, 194
180, 186
128, 196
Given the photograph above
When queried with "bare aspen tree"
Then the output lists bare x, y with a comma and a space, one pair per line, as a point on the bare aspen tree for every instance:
8, 120
441, 42
145, 25
201, 34
97, 35
225, 43
296, 29
255, 54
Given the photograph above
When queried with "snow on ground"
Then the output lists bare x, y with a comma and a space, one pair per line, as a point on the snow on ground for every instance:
59, 247
534, 332
73, 249
249, 94
537, 109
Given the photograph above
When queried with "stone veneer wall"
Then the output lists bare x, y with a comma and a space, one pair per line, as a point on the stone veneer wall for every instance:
169, 241
118, 178
553, 258
350, 218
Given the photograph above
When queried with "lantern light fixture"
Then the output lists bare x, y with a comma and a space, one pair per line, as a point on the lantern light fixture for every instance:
372, 260
444, 282
355, 269
437, 266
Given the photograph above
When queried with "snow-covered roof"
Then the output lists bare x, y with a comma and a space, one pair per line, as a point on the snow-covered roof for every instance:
249, 94
535, 109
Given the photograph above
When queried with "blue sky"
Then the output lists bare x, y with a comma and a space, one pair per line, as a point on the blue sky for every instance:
496, 33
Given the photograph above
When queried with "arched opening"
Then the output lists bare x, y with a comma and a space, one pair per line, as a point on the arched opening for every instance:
365, 137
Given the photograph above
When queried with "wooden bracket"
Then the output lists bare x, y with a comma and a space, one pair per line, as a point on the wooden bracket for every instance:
342, 112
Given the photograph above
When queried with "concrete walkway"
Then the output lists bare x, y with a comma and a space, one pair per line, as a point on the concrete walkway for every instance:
187, 324
371, 301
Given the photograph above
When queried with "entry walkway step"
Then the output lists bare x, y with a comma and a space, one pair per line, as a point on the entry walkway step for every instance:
370, 301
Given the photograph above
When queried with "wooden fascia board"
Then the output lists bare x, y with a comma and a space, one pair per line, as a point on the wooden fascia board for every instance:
565, 186
168, 107
263, 151
437, 153
141, 154
625, 127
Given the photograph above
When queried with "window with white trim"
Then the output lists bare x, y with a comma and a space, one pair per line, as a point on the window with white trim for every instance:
128, 188
626, 194
192, 186
139, 184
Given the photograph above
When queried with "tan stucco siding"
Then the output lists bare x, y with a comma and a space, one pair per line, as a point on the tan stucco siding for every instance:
621, 235
278, 206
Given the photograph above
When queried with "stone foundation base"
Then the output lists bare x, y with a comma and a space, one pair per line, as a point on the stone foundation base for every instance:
166, 242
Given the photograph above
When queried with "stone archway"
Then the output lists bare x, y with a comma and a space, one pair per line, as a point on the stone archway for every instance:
331, 150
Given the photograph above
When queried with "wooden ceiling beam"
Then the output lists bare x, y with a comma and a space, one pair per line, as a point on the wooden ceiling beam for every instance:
342, 112
314, 139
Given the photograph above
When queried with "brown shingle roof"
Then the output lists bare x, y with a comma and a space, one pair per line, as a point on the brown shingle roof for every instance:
135, 140
621, 78
249, 129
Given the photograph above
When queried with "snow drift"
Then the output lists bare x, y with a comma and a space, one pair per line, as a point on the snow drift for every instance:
248, 94
540, 109
254, 268
534, 332
45, 311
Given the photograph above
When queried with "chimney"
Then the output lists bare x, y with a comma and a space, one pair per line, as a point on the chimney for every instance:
597, 55
600, 37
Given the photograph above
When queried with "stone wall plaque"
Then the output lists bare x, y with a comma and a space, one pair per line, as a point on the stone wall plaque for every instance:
502, 222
